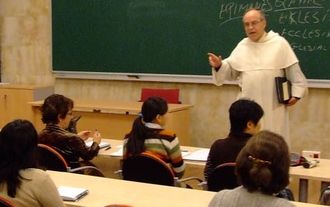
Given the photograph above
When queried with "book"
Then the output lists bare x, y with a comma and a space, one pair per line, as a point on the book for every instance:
283, 89
102, 144
71, 193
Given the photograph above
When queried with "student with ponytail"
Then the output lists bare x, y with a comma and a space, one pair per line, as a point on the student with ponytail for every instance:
148, 135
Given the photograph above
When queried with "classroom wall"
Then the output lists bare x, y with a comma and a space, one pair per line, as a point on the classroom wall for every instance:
26, 59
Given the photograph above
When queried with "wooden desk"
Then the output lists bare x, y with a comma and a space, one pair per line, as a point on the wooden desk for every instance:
14, 101
109, 164
114, 119
319, 173
118, 144
105, 191
195, 168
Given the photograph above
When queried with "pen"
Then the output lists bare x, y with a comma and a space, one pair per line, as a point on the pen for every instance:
107, 148
184, 150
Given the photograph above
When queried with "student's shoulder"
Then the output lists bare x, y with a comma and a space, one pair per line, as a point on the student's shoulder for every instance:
34, 174
167, 134
220, 142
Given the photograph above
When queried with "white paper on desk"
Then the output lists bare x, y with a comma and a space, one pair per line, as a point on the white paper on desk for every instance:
102, 145
184, 153
198, 155
71, 193
117, 153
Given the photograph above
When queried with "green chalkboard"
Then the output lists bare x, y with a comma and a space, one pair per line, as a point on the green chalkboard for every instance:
174, 36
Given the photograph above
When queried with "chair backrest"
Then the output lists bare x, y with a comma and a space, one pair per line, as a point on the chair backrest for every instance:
286, 193
223, 177
147, 168
171, 95
325, 196
4, 202
50, 159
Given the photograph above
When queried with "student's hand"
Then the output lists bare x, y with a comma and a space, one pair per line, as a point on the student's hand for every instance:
84, 134
292, 101
214, 61
97, 137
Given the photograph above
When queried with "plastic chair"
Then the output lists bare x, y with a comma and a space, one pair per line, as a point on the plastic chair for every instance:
51, 159
223, 177
4, 202
148, 168
171, 95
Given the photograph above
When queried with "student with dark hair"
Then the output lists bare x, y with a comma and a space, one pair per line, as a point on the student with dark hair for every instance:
56, 114
244, 118
20, 181
263, 170
148, 134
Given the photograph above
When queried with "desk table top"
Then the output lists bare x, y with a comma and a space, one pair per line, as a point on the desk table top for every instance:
106, 191
321, 172
113, 106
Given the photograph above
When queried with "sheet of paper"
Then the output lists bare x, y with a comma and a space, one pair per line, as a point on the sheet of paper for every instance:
198, 155
117, 153
184, 153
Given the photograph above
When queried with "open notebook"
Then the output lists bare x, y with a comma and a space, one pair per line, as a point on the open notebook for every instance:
102, 145
71, 193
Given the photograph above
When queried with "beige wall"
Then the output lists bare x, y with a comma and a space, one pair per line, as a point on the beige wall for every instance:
26, 59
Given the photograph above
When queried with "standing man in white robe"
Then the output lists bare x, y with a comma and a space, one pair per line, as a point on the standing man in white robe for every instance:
254, 63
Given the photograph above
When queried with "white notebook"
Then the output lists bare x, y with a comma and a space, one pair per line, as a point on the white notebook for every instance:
71, 193
102, 145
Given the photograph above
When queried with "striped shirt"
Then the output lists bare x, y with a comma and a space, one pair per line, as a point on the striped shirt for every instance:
164, 145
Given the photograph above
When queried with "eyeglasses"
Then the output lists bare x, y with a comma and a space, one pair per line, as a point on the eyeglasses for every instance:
253, 23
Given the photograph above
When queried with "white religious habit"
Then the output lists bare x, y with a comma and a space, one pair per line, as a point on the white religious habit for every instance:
255, 65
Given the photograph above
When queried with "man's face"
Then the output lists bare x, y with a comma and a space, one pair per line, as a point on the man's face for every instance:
254, 25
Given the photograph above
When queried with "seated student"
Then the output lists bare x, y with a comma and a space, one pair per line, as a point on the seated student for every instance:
262, 168
56, 114
244, 118
20, 181
148, 134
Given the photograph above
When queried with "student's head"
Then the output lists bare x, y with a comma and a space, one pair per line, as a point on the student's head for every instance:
254, 22
154, 110
244, 116
57, 109
18, 144
263, 163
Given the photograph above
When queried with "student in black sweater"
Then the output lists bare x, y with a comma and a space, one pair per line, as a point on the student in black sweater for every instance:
244, 118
